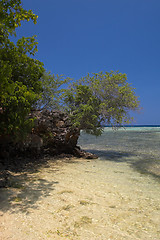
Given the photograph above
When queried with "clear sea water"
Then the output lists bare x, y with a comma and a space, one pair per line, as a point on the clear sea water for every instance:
114, 197
138, 146
127, 175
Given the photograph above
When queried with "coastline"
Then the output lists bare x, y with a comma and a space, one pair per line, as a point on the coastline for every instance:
80, 199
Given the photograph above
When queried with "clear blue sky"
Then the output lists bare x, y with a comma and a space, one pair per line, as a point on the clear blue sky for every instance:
80, 36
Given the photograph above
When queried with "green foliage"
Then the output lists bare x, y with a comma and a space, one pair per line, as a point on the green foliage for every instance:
83, 108
91, 101
20, 85
20, 88
52, 90
11, 15
99, 99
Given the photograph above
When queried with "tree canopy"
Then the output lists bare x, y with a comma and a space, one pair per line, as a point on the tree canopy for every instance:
91, 102
11, 15
20, 85
53, 87
99, 99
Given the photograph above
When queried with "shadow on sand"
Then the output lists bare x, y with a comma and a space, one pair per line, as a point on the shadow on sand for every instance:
24, 186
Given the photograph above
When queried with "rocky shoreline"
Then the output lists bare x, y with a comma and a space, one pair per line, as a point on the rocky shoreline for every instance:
52, 136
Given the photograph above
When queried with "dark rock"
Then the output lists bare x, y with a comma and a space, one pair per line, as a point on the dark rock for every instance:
78, 152
56, 131
52, 135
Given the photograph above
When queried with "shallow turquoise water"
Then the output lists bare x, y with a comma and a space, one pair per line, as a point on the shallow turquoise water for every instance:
129, 164
137, 139
139, 146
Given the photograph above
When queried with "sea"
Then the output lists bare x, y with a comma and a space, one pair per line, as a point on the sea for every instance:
127, 173
117, 144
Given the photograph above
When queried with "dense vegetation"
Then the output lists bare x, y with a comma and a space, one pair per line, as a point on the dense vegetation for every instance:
19, 73
24, 84
99, 99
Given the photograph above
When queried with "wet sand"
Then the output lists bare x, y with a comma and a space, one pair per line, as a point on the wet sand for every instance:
81, 199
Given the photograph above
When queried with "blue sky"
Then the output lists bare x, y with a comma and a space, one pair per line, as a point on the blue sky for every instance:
80, 36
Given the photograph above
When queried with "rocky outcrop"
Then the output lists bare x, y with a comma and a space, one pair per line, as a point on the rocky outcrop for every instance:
78, 152
53, 134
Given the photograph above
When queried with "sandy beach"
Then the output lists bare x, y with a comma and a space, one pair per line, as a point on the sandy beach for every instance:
80, 199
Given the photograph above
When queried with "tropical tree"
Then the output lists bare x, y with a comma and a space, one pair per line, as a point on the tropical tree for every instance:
20, 85
98, 99
11, 15
53, 87
91, 102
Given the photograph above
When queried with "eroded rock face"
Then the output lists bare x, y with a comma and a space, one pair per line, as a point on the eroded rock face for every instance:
53, 134
56, 132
